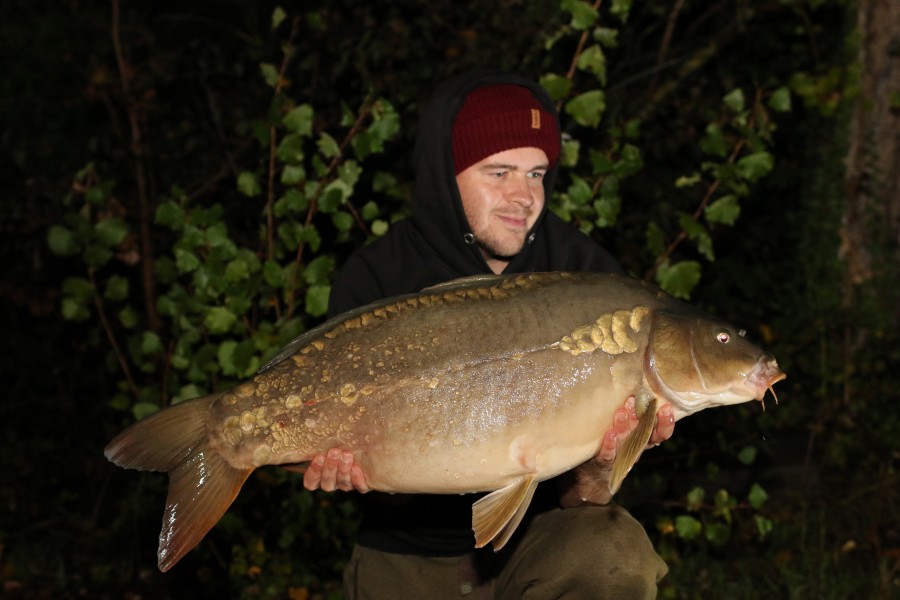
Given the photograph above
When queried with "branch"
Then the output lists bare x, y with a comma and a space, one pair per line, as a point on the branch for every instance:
107, 328
137, 149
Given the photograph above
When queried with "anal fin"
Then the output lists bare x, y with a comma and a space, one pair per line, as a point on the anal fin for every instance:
634, 445
496, 516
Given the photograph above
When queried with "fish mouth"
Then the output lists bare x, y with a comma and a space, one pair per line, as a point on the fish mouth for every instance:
763, 376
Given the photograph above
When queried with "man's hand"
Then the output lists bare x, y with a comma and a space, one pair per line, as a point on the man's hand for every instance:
335, 470
589, 483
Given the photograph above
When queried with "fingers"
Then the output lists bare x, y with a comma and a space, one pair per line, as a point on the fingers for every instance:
335, 470
665, 426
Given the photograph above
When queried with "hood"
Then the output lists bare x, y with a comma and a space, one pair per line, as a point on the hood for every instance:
437, 208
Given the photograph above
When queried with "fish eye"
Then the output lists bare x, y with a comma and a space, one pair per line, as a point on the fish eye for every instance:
723, 337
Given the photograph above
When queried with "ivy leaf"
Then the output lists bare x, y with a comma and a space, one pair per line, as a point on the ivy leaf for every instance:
717, 533
61, 240
747, 455
714, 141
317, 300
111, 232
695, 499
583, 14
290, 149
342, 221
318, 270
379, 227
757, 496
656, 239
579, 191
292, 174
763, 525
142, 410
219, 320
587, 108
150, 344
735, 100
756, 165
725, 210
558, 87
593, 60
687, 180
269, 73
687, 527
185, 260
278, 15
273, 274
248, 185
780, 100
679, 279
327, 145
116, 288
171, 215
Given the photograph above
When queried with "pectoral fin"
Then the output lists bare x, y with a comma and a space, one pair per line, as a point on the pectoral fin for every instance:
496, 516
634, 444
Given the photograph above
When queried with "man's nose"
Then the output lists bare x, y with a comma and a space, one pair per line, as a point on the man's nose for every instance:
520, 190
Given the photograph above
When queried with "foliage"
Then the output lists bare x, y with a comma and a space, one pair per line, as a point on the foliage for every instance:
229, 159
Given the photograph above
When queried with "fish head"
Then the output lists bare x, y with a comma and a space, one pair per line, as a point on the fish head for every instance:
695, 361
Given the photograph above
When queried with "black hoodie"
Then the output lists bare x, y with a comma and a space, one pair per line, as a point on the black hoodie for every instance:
430, 248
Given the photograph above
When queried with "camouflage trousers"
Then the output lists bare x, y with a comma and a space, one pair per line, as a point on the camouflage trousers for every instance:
593, 553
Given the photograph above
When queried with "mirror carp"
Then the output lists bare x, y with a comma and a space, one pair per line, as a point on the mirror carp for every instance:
482, 384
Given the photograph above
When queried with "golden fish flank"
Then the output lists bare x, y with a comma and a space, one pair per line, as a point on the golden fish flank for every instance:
610, 333
443, 403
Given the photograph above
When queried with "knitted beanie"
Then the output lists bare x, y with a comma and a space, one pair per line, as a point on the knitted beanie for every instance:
495, 118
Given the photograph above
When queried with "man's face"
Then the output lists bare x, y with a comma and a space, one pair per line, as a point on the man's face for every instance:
502, 196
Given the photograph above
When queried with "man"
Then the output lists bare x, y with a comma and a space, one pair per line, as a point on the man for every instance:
486, 156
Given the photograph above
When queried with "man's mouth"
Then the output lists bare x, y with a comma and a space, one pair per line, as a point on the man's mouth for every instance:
513, 221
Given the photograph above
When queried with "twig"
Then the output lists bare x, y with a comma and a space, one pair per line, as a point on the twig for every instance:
666, 40
364, 112
107, 328
570, 75
137, 149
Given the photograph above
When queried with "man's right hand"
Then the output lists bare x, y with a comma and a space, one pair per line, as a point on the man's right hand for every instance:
335, 470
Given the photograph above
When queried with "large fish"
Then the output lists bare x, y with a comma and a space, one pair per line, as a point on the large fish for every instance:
481, 384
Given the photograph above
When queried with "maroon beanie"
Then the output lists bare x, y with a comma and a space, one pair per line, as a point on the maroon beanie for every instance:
495, 118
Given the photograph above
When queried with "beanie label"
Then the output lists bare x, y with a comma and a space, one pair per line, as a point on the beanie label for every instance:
535, 118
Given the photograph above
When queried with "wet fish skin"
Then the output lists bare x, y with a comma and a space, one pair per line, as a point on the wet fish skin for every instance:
483, 384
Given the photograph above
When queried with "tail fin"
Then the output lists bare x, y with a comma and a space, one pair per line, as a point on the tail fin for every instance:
202, 485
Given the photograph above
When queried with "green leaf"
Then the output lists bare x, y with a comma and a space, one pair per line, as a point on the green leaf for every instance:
763, 525
725, 210
747, 455
583, 14
328, 146
342, 221
61, 241
142, 410
571, 149
757, 496
128, 317
735, 100
593, 60
269, 73
695, 499
317, 300
687, 527
369, 211
96, 256
679, 279
656, 239
225, 356
717, 533
607, 208
237, 270
151, 343
116, 288
621, 8
73, 309
780, 100
630, 161
293, 174
299, 120
601, 163
756, 165
170, 214
579, 191
714, 142
111, 232
290, 149
558, 87
318, 270
379, 227
273, 274
587, 108
185, 260
219, 320
278, 15
687, 180
248, 185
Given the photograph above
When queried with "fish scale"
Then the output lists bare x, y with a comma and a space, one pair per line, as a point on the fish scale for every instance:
485, 384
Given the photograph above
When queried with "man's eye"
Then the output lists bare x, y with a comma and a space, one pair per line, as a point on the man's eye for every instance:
536, 174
